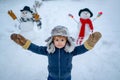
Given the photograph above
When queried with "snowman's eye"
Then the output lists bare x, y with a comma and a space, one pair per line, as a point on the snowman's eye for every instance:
24, 12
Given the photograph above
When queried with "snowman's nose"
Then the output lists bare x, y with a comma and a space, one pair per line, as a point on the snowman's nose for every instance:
85, 13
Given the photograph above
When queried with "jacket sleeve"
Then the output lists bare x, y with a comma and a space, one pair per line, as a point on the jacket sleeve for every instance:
79, 50
35, 48
38, 49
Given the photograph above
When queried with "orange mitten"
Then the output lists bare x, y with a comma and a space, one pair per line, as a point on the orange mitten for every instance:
36, 16
11, 13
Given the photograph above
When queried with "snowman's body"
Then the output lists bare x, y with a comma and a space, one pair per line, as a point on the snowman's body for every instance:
26, 22
87, 30
26, 26
87, 33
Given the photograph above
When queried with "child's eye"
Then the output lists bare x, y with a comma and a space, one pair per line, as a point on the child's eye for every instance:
56, 40
62, 40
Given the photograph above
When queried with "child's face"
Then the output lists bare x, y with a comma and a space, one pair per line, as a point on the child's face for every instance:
59, 41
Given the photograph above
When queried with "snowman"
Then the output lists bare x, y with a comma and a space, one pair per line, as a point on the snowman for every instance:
85, 25
26, 21
28, 18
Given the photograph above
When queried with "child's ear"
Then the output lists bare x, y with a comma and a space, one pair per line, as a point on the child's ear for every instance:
70, 45
48, 39
51, 48
50, 45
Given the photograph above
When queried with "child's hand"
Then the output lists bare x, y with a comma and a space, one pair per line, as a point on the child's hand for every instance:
93, 39
19, 39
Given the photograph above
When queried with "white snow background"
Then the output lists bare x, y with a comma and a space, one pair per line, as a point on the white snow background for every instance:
101, 63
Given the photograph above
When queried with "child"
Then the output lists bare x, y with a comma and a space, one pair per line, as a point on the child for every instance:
60, 49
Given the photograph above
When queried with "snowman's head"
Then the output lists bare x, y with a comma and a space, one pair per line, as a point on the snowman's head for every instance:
85, 13
26, 12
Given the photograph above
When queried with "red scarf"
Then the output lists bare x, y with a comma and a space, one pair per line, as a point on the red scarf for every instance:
82, 29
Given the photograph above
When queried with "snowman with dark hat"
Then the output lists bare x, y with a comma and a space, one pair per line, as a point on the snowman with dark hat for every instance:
85, 25
26, 25
27, 19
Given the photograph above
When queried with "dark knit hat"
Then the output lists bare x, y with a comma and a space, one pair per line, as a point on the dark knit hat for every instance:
85, 9
26, 8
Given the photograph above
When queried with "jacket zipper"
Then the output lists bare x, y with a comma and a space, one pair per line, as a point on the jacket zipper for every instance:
59, 63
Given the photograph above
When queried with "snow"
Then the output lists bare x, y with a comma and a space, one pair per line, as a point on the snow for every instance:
101, 63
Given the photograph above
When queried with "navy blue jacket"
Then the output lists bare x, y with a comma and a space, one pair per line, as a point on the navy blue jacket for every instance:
59, 62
